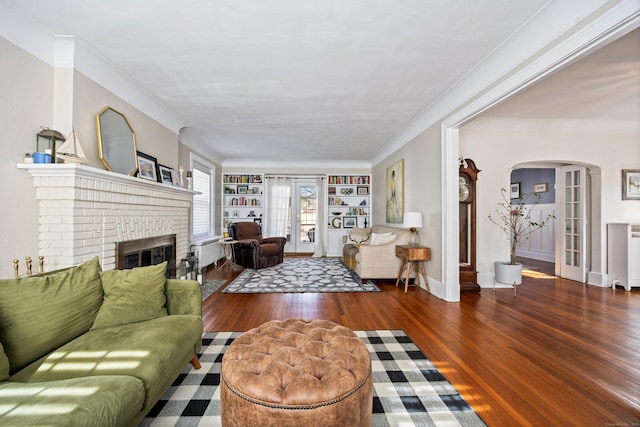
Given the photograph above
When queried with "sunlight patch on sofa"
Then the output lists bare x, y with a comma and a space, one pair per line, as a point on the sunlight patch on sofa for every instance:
69, 391
77, 354
110, 366
4, 409
93, 360
49, 391
127, 353
26, 391
66, 366
42, 409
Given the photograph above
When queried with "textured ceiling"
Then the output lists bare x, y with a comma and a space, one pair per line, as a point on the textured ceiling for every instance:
290, 80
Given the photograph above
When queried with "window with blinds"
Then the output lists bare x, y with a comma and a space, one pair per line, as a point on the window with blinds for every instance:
202, 218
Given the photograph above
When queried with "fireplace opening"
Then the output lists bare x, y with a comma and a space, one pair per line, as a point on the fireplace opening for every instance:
147, 251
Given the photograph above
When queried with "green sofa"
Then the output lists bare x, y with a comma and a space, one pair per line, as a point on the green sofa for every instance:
83, 347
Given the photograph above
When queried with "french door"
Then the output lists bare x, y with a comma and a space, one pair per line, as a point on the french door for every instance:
573, 211
303, 216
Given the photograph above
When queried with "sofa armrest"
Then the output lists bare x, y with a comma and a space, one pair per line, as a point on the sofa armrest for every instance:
183, 297
279, 240
246, 248
379, 250
377, 261
244, 244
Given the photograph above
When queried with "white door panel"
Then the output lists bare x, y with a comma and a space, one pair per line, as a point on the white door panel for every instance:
303, 218
573, 220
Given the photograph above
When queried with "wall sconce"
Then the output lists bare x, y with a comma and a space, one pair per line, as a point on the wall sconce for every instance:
48, 137
413, 220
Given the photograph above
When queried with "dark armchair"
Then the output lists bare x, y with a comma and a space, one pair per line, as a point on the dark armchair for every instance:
253, 250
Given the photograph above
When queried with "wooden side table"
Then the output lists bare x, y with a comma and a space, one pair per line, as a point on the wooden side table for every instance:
412, 257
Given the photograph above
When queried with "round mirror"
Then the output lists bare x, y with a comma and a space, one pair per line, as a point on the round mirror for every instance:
116, 142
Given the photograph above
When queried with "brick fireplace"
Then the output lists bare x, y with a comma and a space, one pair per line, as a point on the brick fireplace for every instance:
84, 212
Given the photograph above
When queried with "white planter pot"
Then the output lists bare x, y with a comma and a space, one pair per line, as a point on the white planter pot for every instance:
507, 273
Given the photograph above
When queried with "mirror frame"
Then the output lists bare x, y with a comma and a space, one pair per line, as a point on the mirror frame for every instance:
101, 142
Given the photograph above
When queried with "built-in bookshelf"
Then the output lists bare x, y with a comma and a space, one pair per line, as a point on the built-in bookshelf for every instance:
242, 198
348, 207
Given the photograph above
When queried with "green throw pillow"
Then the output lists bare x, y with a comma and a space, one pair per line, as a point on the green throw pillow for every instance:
132, 296
40, 313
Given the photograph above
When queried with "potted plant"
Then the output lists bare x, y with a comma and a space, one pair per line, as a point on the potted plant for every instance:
514, 218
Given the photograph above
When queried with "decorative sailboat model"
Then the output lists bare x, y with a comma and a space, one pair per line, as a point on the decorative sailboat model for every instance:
70, 151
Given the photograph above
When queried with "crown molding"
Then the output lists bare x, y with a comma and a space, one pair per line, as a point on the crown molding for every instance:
289, 164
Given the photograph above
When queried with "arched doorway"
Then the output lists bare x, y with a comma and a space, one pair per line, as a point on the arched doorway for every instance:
570, 192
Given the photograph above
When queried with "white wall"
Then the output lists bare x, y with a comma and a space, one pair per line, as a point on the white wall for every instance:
496, 145
422, 192
541, 243
25, 105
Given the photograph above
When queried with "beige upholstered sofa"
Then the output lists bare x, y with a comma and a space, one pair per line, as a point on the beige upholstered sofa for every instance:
375, 257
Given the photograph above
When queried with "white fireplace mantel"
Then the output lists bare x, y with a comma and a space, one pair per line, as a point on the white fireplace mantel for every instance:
81, 171
85, 211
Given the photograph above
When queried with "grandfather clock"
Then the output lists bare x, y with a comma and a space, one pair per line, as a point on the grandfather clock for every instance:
467, 177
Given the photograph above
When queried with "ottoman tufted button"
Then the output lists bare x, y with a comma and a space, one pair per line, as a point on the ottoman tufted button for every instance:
296, 372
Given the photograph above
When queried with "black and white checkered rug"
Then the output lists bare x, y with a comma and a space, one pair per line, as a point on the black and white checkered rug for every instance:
408, 389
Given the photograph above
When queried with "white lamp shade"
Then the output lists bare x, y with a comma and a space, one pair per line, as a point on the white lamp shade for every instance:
412, 220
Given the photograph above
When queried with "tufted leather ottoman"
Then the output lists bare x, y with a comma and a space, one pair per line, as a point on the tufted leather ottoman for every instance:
297, 373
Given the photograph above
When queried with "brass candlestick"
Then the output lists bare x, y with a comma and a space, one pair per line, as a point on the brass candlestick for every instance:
28, 260
16, 266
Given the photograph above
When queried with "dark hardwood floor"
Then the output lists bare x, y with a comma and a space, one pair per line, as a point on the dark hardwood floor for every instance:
560, 353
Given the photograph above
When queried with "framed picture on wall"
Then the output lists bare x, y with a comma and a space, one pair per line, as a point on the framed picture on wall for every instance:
541, 187
515, 190
631, 184
395, 192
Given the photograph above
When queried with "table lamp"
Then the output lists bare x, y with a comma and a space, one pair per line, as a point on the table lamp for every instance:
413, 220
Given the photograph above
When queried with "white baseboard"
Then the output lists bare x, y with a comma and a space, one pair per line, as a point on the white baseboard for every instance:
539, 255
597, 279
436, 287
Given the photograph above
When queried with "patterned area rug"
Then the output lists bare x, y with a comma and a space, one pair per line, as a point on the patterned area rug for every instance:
210, 286
408, 389
301, 275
